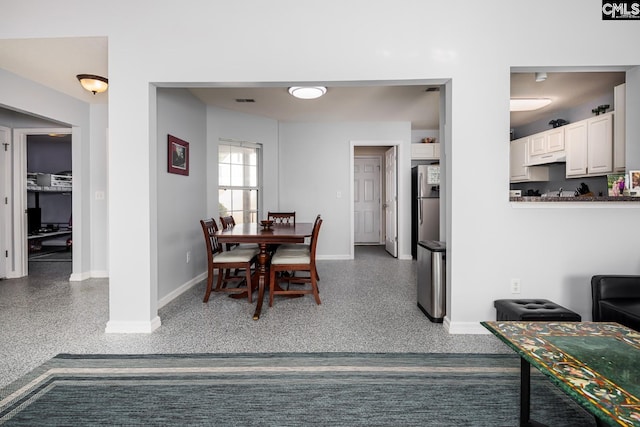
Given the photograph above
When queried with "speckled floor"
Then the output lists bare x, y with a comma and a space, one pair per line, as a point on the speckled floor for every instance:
368, 305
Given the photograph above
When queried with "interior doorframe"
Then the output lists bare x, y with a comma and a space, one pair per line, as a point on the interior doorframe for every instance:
5, 191
400, 182
19, 257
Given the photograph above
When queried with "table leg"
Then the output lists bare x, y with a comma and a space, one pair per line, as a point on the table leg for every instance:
525, 396
262, 276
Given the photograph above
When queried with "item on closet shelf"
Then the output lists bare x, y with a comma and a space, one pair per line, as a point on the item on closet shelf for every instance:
53, 180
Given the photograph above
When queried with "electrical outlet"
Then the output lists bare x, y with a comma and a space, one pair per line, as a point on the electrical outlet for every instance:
188, 256
515, 286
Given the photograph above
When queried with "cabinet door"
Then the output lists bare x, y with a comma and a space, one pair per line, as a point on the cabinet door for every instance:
575, 138
537, 144
517, 160
555, 140
619, 131
600, 154
425, 151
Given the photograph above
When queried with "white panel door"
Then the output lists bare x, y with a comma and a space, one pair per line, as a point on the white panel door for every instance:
391, 202
367, 199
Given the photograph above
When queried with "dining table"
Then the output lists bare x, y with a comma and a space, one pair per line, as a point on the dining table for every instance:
265, 237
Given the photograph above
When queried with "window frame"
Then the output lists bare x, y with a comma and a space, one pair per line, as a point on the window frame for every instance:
224, 142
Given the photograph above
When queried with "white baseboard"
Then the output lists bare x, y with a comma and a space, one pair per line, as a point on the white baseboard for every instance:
182, 289
99, 274
124, 327
470, 328
79, 277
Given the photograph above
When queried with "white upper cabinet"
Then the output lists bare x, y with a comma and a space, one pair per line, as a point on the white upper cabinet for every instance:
519, 158
546, 147
575, 138
600, 138
590, 146
619, 132
425, 151
548, 141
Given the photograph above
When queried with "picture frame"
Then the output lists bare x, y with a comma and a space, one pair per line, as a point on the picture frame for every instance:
634, 180
178, 160
616, 184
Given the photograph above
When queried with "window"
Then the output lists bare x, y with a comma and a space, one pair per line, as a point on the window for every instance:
239, 180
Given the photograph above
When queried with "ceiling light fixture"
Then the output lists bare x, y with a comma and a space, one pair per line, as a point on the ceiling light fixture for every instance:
540, 77
528, 104
307, 92
92, 83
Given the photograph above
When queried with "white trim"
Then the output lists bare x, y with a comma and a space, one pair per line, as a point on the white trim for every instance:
5, 190
367, 143
19, 222
79, 277
469, 328
182, 289
99, 274
132, 327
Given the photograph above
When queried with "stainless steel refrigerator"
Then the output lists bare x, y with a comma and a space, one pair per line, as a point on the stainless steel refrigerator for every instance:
425, 212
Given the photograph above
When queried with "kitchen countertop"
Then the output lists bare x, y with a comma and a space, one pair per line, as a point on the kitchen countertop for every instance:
575, 199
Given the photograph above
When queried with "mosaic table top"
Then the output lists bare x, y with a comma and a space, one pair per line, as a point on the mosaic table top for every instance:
596, 363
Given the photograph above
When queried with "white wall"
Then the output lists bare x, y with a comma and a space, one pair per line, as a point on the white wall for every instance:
315, 161
181, 200
98, 190
231, 125
552, 249
21, 95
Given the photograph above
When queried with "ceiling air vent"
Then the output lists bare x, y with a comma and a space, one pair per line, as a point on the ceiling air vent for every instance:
245, 100
432, 89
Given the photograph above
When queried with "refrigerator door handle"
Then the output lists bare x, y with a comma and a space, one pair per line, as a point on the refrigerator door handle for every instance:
420, 184
420, 211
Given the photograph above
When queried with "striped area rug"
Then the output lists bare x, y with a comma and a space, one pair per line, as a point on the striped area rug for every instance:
282, 389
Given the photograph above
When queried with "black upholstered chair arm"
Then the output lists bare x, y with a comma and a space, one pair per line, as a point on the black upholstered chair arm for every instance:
612, 286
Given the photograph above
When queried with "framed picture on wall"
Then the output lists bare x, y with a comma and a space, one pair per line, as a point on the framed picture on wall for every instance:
178, 156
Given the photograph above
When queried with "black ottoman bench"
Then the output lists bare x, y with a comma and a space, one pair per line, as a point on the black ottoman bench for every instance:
532, 310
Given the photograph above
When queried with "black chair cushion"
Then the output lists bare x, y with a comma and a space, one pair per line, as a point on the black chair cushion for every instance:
533, 309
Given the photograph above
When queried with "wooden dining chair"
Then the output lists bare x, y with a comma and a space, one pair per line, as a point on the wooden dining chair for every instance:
217, 258
282, 218
294, 261
301, 247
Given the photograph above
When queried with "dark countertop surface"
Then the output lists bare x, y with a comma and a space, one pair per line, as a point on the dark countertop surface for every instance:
575, 199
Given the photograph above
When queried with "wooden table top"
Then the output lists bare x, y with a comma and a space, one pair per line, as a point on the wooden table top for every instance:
255, 233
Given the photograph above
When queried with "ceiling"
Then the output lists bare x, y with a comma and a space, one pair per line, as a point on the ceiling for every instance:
55, 62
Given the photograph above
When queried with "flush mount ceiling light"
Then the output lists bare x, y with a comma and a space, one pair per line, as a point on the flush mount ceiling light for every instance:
307, 92
540, 77
92, 83
528, 104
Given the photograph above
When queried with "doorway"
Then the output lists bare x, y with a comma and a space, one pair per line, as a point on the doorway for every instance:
374, 196
42, 203
49, 207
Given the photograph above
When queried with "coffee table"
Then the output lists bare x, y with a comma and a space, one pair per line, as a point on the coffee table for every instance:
595, 363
